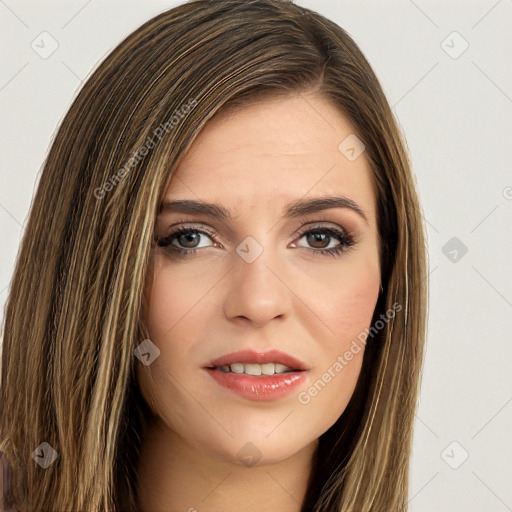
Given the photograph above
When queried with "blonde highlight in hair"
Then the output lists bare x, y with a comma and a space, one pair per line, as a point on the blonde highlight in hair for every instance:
77, 300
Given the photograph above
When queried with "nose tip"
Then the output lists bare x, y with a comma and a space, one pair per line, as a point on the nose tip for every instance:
256, 293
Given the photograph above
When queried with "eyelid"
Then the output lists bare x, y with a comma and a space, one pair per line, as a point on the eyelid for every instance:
316, 223
318, 218
315, 218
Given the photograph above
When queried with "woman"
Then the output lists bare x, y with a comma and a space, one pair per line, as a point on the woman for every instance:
174, 338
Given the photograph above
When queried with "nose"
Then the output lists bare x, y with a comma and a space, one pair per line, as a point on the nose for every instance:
257, 292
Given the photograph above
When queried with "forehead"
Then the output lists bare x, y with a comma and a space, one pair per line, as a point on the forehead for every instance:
271, 153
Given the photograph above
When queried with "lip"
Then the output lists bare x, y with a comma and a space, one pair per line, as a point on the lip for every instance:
253, 356
259, 387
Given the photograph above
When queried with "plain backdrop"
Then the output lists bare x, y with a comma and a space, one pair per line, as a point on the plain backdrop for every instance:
445, 67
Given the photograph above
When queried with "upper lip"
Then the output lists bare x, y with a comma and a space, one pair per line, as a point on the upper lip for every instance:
258, 357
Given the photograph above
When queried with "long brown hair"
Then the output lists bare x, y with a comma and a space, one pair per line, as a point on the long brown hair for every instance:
75, 310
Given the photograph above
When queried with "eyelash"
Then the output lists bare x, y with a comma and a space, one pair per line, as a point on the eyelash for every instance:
346, 239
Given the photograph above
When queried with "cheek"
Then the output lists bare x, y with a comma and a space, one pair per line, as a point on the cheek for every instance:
175, 299
348, 313
170, 301
173, 311
345, 298
177, 308
356, 303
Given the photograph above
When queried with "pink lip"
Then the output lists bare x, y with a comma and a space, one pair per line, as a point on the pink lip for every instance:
259, 387
252, 356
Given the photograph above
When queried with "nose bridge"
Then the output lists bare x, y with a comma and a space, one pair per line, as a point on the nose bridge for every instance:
255, 291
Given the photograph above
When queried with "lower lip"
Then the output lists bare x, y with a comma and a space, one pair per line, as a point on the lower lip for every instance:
261, 388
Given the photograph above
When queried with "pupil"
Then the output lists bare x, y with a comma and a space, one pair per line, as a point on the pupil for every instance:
317, 237
189, 237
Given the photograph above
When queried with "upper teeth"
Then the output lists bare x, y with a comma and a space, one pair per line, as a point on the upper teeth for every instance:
256, 369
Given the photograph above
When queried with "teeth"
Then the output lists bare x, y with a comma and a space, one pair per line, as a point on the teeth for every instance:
268, 368
236, 368
252, 369
256, 369
280, 368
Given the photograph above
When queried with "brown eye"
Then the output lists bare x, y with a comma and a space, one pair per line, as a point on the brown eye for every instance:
184, 240
317, 240
321, 237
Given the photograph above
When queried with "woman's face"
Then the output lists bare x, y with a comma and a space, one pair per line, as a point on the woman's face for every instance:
261, 281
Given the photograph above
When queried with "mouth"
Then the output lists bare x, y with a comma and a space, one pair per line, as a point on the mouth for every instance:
255, 369
260, 376
256, 363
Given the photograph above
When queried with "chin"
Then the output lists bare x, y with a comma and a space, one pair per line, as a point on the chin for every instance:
259, 451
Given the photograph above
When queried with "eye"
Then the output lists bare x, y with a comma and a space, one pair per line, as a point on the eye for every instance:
323, 238
186, 239
320, 239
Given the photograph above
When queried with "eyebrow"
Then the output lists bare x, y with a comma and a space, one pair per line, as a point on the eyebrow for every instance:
291, 210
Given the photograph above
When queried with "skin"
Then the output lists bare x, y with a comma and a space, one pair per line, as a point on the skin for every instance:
292, 298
